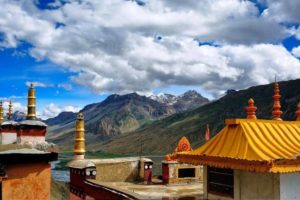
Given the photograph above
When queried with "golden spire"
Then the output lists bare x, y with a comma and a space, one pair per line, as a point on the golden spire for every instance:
1, 112
276, 107
251, 108
298, 112
31, 103
10, 113
79, 146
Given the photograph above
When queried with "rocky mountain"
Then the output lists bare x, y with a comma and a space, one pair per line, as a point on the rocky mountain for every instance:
161, 136
185, 102
119, 114
19, 116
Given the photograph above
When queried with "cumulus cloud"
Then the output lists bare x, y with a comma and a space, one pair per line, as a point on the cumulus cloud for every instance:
112, 46
282, 10
17, 106
52, 110
296, 51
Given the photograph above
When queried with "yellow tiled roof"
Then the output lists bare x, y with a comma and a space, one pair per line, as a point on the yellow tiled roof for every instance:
252, 145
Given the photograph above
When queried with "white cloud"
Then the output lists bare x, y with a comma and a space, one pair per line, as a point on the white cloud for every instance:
296, 51
283, 11
110, 45
52, 110
65, 86
16, 106
38, 84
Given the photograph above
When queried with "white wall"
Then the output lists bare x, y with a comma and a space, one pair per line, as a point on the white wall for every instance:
8, 138
290, 186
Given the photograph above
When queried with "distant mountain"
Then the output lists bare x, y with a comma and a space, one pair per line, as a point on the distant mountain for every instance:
62, 118
119, 114
185, 102
161, 136
19, 116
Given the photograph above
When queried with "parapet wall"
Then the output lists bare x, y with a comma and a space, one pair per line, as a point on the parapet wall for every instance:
119, 169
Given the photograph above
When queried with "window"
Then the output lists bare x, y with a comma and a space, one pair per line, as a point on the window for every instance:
186, 173
220, 181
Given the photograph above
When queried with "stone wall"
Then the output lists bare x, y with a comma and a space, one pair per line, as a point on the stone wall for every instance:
119, 169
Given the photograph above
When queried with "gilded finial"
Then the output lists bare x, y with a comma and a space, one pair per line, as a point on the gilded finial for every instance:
79, 146
251, 109
1, 112
10, 113
31, 107
298, 112
276, 107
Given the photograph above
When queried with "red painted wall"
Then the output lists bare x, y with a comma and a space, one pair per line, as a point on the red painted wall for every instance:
27, 182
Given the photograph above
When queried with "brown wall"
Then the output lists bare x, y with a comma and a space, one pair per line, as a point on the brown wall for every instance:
27, 181
123, 171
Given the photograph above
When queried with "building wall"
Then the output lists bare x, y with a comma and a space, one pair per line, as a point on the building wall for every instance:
27, 182
122, 171
33, 140
248, 185
289, 186
172, 170
256, 185
8, 137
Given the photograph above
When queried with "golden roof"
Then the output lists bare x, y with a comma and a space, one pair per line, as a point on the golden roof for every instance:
251, 145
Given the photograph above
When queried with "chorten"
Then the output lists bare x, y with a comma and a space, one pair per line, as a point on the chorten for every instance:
79, 146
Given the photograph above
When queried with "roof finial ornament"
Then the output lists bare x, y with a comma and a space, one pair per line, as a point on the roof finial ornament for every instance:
251, 109
298, 112
79, 146
207, 133
1, 112
276, 107
31, 107
10, 113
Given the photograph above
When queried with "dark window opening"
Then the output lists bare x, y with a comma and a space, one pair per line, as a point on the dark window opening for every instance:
186, 173
220, 181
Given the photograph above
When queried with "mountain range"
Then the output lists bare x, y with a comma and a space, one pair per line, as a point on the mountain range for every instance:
161, 136
120, 114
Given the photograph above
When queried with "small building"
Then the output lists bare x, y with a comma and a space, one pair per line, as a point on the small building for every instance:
25, 171
174, 172
119, 178
251, 158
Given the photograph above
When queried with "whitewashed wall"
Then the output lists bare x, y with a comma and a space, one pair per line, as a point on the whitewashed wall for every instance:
290, 186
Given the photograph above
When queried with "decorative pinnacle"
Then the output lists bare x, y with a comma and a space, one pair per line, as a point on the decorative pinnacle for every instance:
276, 107
79, 146
31, 107
10, 113
251, 109
298, 112
1, 112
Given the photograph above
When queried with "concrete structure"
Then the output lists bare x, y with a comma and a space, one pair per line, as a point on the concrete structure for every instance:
252, 158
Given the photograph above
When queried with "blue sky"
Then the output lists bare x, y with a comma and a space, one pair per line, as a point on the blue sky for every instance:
78, 52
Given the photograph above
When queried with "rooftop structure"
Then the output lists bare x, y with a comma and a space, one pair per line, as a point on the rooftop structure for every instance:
122, 178
250, 151
25, 156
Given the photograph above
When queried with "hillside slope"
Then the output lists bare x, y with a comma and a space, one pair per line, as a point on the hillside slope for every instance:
162, 136
117, 115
